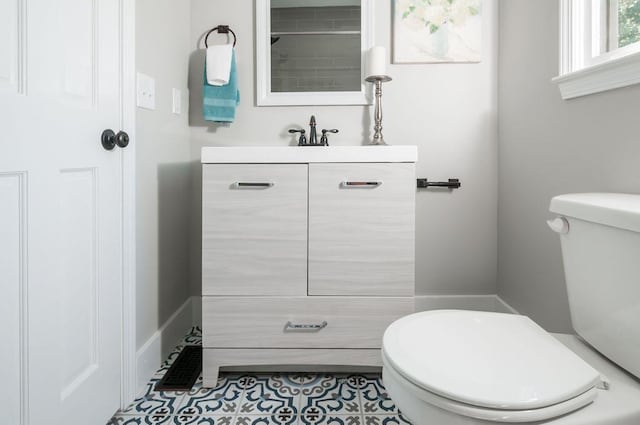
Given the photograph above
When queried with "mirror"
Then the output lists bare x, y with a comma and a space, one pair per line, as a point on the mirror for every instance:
311, 52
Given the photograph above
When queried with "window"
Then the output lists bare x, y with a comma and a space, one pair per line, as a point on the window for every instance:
624, 22
600, 46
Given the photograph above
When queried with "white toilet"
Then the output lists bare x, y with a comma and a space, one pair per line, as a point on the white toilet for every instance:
447, 367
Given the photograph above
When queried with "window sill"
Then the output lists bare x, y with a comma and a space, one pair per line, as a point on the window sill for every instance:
613, 74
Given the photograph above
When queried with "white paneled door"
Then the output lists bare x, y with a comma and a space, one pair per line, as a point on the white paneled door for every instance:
60, 211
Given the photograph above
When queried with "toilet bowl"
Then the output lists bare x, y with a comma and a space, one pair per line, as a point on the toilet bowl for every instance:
449, 367
455, 367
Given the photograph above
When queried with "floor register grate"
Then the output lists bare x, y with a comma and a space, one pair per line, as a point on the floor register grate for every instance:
184, 372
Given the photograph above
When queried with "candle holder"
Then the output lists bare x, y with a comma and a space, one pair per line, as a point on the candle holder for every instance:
378, 139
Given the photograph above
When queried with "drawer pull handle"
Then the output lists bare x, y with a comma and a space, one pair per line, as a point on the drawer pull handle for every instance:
300, 327
254, 185
361, 185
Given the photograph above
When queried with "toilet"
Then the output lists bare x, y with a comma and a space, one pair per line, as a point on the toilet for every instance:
455, 367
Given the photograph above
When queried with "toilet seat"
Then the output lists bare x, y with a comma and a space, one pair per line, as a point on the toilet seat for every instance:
491, 366
496, 415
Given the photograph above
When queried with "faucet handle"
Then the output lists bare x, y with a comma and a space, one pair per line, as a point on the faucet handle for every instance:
303, 139
324, 140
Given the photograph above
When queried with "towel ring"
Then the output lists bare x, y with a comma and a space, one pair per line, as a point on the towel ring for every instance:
221, 29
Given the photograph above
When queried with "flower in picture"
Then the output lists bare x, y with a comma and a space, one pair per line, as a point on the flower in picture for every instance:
437, 30
435, 13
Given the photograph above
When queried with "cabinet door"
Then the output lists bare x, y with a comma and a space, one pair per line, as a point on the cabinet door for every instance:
254, 229
361, 229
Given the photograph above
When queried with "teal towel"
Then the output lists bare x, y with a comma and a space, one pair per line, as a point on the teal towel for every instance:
220, 102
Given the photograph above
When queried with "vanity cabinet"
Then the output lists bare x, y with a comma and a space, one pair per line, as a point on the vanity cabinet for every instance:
307, 255
254, 229
361, 229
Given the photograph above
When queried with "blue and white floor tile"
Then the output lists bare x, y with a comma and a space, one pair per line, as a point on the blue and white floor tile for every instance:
264, 399
385, 420
121, 419
155, 403
203, 420
275, 395
329, 399
223, 400
374, 398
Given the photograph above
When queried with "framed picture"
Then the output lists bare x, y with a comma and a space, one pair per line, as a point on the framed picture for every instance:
434, 31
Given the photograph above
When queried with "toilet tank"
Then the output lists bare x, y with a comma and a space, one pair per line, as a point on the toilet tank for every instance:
600, 237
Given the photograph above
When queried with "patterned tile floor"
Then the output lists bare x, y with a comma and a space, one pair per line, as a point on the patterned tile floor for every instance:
265, 399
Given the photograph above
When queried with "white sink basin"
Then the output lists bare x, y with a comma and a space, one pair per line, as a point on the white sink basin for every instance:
307, 154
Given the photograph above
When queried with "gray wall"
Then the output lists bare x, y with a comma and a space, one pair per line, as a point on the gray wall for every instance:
448, 110
163, 170
548, 147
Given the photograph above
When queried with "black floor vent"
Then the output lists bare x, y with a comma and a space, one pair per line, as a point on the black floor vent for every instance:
184, 371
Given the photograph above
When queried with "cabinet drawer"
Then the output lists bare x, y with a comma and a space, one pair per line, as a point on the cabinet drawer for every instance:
362, 229
254, 229
305, 322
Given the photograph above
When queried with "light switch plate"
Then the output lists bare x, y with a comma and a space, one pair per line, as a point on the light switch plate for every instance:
146, 91
177, 101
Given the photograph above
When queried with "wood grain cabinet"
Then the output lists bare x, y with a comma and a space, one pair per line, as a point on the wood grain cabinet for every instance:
254, 229
306, 259
361, 229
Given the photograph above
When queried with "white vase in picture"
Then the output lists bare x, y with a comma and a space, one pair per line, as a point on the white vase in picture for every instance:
440, 42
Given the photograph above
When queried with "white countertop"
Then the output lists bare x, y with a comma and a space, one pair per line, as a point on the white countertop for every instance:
307, 154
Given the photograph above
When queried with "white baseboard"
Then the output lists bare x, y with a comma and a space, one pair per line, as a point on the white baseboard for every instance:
151, 355
197, 310
504, 307
490, 302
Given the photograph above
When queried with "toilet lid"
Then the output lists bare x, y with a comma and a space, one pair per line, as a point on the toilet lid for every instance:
493, 360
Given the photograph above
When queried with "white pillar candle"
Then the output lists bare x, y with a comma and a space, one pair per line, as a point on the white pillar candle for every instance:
376, 61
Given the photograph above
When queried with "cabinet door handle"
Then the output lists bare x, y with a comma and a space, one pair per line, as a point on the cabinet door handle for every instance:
360, 184
254, 185
302, 327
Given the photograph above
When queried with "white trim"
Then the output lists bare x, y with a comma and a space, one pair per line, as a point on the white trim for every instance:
197, 310
23, 319
151, 355
264, 96
504, 307
565, 51
617, 73
613, 17
311, 98
313, 3
573, 16
599, 30
490, 302
582, 70
22, 47
262, 58
128, 383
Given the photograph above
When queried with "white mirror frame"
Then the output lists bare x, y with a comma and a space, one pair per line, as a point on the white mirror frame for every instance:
264, 95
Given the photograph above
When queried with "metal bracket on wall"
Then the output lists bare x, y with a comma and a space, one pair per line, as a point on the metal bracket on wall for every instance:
451, 184
220, 29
